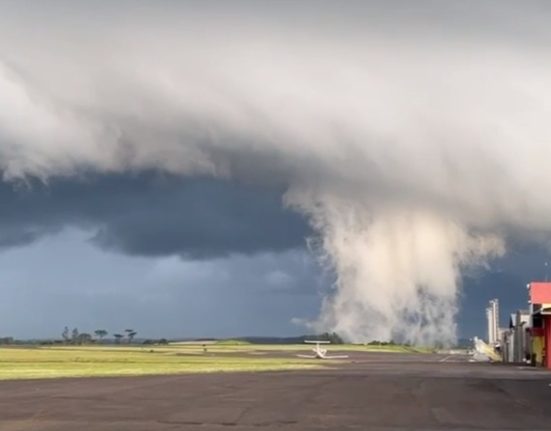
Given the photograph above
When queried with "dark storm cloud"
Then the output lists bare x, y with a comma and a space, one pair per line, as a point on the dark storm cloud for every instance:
64, 280
153, 214
411, 134
11, 237
505, 280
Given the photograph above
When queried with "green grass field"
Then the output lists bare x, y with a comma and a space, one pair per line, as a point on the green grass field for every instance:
99, 360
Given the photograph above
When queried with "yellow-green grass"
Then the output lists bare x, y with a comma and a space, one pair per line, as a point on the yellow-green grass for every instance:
231, 342
235, 346
53, 362
229, 348
124, 360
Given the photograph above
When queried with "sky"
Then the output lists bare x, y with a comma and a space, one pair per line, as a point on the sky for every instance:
216, 169
70, 282
56, 270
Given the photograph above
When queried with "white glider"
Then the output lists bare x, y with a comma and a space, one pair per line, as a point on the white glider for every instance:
320, 353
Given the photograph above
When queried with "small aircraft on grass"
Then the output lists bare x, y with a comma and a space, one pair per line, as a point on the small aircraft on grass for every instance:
320, 353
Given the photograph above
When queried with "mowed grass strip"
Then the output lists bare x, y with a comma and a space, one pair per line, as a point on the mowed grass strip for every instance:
108, 360
54, 362
238, 346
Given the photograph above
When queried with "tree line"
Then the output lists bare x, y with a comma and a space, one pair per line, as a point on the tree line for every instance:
75, 337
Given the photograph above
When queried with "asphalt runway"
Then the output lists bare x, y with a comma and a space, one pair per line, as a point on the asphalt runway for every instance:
371, 391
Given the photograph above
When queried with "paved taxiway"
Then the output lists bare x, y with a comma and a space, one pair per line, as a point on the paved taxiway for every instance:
371, 391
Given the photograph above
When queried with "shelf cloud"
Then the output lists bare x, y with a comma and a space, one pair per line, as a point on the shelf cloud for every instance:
415, 139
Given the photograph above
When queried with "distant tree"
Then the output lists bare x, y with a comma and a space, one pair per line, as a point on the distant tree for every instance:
333, 337
100, 333
84, 338
131, 336
65, 334
74, 335
118, 338
7, 340
130, 333
160, 341
46, 342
